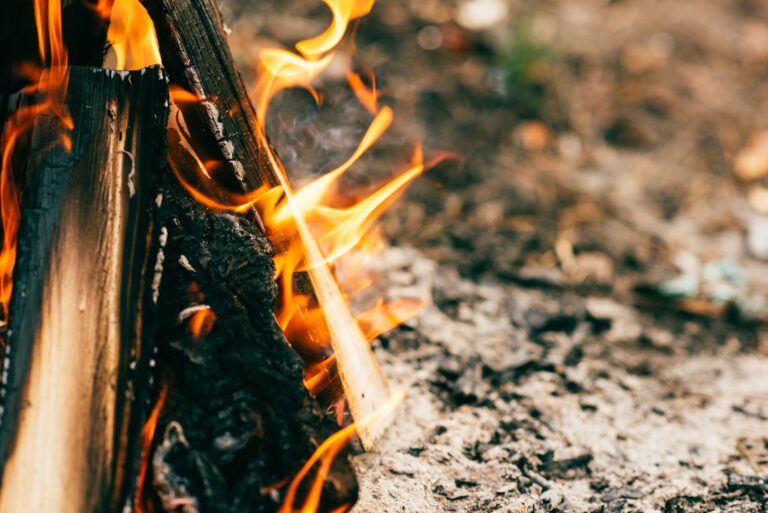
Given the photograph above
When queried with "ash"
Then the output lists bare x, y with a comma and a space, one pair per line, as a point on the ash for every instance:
522, 400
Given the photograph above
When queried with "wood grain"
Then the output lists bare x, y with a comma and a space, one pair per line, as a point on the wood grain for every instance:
74, 344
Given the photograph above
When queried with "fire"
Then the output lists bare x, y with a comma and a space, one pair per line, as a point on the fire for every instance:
310, 227
286, 212
147, 434
326, 453
48, 88
131, 34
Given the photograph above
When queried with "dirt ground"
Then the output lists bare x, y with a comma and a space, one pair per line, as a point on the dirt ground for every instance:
594, 262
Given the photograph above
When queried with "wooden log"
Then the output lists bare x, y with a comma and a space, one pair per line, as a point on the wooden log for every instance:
84, 31
195, 53
236, 417
101, 308
76, 360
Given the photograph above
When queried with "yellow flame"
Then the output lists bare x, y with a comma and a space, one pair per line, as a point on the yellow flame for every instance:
337, 230
281, 69
132, 35
343, 11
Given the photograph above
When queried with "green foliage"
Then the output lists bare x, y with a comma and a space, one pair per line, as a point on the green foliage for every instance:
524, 64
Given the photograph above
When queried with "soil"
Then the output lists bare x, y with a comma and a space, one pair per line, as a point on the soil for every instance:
593, 269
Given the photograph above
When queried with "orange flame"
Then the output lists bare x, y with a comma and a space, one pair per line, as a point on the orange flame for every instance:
369, 98
337, 230
321, 209
147, 434
132, 35
47, 91
181, 96
328, 451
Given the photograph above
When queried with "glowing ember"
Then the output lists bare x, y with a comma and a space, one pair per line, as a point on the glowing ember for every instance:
201, 323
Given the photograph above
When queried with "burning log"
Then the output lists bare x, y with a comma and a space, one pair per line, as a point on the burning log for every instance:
123, 280
76, 363
196, 55
128, 294
237, 418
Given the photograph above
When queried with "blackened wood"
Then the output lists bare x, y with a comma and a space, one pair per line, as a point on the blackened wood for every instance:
76, 366
237, 417
84, 31
226, 129
197, 58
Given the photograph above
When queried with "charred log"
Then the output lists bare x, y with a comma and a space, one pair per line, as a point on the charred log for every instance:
237, 417
115, 261
75, 359
195, 53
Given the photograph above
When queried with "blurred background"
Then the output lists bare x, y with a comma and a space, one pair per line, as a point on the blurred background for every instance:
616, 146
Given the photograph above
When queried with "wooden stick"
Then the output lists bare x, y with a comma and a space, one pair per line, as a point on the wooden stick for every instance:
75, 361
195, 53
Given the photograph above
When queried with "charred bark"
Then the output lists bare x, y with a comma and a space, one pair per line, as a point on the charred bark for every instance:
195, 53
237, 417
76, 362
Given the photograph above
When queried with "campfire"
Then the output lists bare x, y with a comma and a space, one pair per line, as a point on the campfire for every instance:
174, 335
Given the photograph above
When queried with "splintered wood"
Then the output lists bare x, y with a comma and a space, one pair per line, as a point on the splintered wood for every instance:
196, 55
75, 337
